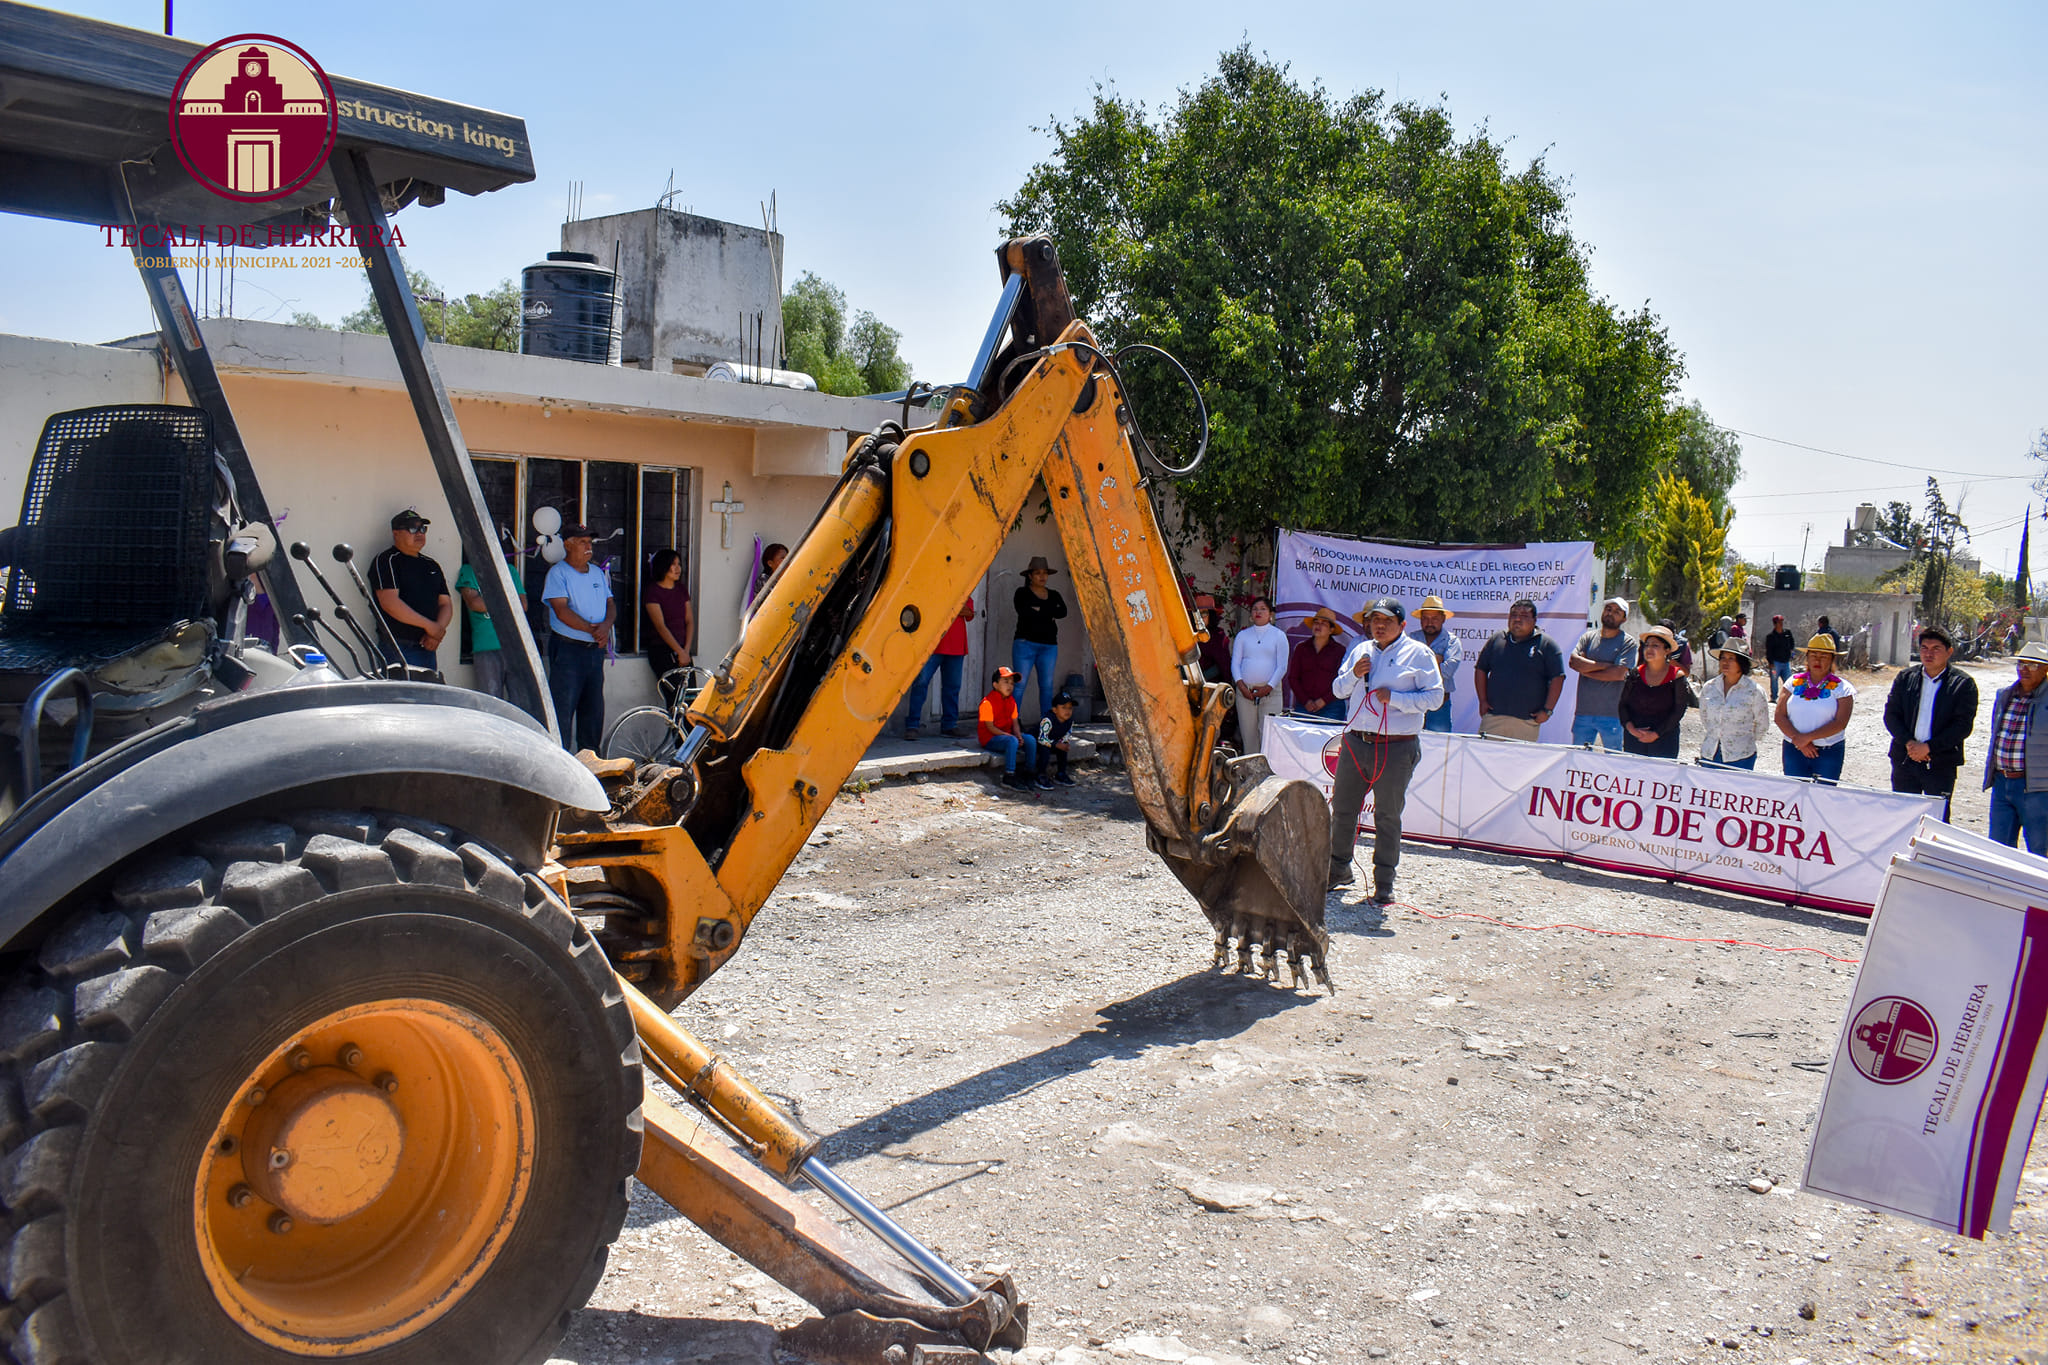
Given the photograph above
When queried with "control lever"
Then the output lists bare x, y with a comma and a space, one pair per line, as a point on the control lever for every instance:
303, 552
310, 617
345, 555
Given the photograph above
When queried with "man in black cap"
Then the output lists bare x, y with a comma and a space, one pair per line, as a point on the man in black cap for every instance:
1930, 712
411, 591
1401, 685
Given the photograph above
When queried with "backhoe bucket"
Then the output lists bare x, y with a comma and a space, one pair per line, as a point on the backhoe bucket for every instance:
1261, 877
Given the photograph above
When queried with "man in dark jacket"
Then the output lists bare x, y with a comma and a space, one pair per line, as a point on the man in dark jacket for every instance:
2016, 759
1930, 712
1778, 645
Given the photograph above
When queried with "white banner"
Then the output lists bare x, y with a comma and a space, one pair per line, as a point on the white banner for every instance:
1477, 583
1760, 834
1936, 1083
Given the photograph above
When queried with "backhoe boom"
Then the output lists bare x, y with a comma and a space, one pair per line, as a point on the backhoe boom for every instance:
690, 853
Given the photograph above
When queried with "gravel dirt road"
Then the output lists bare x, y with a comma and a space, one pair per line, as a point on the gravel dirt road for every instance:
1492, 1145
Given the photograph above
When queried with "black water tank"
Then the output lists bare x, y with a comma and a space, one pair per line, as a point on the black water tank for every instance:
566, 308
1789, 578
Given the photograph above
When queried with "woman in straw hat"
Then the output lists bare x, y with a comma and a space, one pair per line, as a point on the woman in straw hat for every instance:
1654, 697
1312, 667
1734, 717
1036, 648
1813, 713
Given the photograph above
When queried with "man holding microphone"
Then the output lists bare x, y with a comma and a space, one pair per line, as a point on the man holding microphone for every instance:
1380, 749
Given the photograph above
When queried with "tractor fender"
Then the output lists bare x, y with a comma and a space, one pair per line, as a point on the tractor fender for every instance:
423, 750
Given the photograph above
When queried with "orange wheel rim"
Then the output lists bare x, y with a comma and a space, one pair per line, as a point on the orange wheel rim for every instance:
365, 1176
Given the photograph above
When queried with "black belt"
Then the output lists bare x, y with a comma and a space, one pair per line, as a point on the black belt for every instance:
1382, 739
578, 644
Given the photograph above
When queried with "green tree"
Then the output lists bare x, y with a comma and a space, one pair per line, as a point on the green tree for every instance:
1898, 524
1688, 583
1704, 455
488, 322
817, 340
1707, 457
1944, 595
1392, 325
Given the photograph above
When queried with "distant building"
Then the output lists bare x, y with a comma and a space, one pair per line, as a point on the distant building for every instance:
1864, 556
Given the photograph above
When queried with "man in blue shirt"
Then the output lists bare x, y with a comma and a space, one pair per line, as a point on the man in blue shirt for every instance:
580, 612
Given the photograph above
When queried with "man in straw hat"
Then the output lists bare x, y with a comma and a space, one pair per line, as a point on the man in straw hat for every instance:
1450, 652
1036, 648
1929, 712
1380, 748
2016, 764
1603, 659
1312, 667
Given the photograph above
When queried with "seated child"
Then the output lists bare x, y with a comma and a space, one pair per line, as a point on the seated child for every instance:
1052, 742
997, 725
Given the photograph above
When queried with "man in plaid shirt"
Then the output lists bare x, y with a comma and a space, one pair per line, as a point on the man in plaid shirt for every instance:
2016, 766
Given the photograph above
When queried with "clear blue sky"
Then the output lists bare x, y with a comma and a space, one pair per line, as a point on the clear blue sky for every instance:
1839, 211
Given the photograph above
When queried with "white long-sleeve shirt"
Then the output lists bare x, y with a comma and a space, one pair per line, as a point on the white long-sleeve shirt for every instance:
1407, 668
1733, 720
1258, 656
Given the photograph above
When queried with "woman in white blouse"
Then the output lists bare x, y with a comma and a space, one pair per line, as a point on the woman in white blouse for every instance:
1258, 664
1734, 716
1813, 713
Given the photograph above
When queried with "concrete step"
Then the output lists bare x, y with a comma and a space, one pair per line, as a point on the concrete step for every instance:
894, 756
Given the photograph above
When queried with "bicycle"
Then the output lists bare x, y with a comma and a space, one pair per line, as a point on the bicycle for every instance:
652, 734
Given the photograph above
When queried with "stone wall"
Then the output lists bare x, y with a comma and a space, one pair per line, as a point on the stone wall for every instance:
1889, 618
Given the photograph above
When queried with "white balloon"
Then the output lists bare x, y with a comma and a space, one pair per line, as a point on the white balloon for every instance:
547, 521
551, 550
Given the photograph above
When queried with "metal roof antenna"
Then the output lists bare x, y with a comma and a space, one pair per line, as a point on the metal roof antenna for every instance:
771, 223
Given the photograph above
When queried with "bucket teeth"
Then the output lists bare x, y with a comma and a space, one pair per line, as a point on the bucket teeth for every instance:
1271, 965
1248, 947
1294, 961
1222, 948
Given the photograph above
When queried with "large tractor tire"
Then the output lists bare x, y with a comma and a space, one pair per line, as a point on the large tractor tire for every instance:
338, 1085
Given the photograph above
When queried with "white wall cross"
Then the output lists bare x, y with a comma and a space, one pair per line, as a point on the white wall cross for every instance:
725, 507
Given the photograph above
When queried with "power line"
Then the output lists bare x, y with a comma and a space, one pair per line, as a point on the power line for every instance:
1867, 459
1867, 488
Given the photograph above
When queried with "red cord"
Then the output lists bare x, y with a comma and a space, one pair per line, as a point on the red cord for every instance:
1626, 933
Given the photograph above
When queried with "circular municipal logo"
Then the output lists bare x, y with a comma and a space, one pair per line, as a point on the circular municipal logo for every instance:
1892, 1040
253, 117
1331, 753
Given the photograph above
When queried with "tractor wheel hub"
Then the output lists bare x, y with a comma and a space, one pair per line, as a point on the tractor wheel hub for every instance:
324, 1145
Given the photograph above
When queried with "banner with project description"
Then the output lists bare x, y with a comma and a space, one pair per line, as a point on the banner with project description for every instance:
1760, 834
1476, 582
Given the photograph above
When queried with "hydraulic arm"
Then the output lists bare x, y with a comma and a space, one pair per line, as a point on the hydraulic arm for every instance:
690, 855
690, 852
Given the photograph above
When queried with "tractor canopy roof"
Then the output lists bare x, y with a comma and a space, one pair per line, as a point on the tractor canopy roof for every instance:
85, 133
